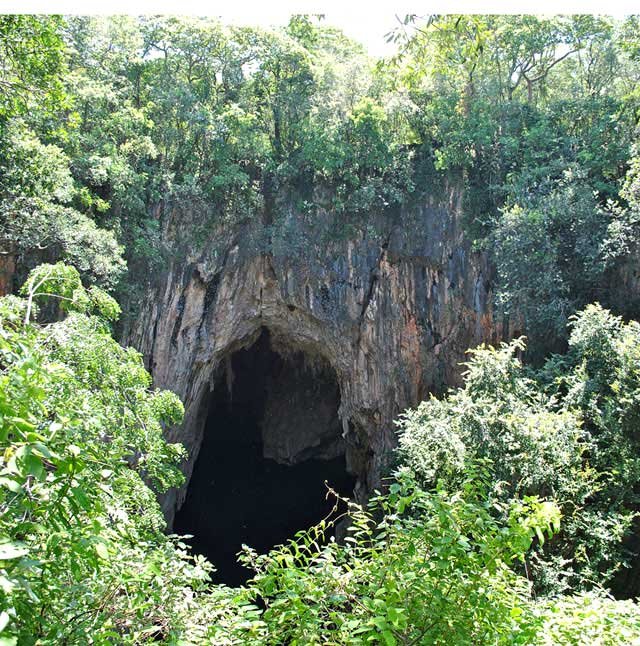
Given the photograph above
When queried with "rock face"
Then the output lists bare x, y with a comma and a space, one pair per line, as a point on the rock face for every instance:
7, 272
388, 307
304, 396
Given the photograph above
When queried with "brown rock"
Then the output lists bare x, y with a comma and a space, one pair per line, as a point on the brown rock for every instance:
389, 308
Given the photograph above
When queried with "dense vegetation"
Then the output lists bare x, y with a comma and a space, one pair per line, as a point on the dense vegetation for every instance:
512, 515
535, 120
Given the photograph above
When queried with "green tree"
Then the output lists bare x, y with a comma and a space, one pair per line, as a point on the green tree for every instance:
599, 379
32, 62
82, 554
38, 221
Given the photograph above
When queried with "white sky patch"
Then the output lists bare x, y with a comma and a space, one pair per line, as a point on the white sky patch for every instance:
368, 28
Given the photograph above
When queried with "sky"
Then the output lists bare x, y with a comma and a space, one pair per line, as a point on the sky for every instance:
368, 28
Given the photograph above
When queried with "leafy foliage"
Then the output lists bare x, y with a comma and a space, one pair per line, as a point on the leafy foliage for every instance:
38, 220
31, 50
533, 119
601, 620
83, 554
435, 570
81, 533
550, 258
501, 415
521, 479
599, 379
569, 435
538, 117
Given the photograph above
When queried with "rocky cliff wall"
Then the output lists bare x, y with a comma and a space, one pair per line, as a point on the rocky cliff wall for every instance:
390, 305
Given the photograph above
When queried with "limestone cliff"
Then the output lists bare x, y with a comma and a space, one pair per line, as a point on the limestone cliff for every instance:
389, 306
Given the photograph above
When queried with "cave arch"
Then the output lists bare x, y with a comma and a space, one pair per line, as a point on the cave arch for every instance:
272, 437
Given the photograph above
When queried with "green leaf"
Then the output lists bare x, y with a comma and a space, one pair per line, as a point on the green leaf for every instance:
10, 484
102, 551
4, 620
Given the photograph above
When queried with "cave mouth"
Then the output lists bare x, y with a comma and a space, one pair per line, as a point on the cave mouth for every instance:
272, 437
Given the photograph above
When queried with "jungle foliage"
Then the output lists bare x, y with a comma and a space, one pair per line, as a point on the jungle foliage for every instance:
533, 119
513, 514
567, 432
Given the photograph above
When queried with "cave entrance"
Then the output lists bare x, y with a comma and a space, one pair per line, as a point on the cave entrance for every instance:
272, 438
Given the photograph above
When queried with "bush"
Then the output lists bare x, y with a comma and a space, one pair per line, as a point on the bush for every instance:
82, 551
537, 445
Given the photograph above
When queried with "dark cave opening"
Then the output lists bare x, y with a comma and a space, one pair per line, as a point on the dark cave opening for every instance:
271, 439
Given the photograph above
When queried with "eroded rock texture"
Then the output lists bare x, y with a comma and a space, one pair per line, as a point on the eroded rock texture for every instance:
301, 394
389, 307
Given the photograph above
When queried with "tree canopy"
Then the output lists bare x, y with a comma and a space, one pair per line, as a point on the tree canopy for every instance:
522, 113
